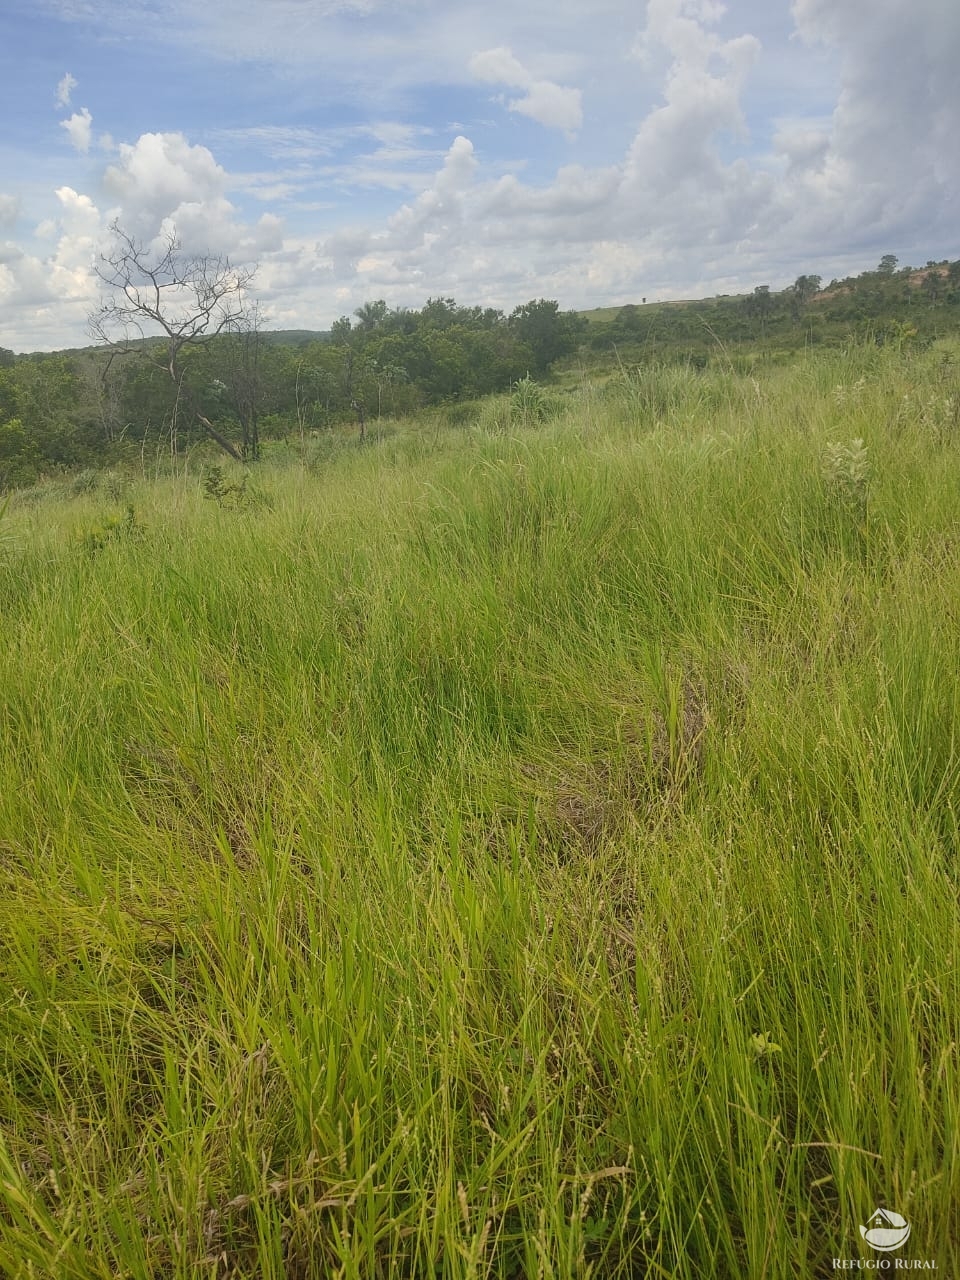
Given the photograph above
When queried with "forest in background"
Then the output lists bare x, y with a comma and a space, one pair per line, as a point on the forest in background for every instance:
100, 407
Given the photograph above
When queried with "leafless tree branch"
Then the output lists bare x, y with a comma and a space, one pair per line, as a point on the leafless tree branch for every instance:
178, 298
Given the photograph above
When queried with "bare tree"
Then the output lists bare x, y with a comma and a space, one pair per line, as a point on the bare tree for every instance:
183, 299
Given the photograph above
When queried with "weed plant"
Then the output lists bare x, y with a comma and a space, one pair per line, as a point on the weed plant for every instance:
516, 853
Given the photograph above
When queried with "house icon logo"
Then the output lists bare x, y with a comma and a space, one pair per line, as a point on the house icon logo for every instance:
886, 1230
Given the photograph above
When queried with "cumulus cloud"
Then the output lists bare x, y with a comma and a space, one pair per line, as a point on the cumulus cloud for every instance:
163, 182
55, 291
499, 66
549, 104
81, 227
696, 169
79, 129
78, 209
159, 184
693, 205
64, 89
575, 208
160, 173
886, 161
675, 145
440, 209
802, 144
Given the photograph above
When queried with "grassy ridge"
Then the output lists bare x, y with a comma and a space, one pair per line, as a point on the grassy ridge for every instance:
511, 852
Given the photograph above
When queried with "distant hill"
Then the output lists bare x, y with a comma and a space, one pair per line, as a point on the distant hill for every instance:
295, 337
276, 337
905, 294
602, 315
909, 279
888, 304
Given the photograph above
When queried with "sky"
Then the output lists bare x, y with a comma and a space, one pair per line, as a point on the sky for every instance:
495, 153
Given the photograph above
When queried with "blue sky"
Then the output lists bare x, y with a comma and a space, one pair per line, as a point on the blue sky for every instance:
495, 152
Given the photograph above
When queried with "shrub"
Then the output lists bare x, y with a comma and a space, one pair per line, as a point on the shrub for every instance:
114, 528
238, 496
529, 403
846, 469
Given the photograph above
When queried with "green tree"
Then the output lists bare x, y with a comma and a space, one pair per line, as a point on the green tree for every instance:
548, 332
8, 393
931, 286
371, 315
243, 359
341, 331
760, 304
439, 313
805, 287
20, 459
48, 418
385, 377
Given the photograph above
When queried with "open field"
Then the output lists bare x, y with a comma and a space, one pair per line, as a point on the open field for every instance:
600, 314
507, 850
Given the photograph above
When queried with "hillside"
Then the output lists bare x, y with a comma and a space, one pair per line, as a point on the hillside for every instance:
886, 305
524, 848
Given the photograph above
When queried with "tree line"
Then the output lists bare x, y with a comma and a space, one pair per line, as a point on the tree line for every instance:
181, 355
882, 304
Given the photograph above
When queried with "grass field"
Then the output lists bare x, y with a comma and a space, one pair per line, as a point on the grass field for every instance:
602, 314
510, 850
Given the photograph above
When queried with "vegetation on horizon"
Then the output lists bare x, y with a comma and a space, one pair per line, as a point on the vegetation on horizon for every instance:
217, 376
887, 305
524, 850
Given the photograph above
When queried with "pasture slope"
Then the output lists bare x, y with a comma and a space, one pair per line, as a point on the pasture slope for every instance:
508, 850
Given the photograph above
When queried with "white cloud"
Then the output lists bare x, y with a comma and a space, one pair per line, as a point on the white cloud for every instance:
158, 184
708, 165
576, 206
81, 226
549, 104
690, 205
79, 129
64, 89
439, 210
164, 168
675, 145
281, 142
499, 66
56, 291
162, 183
802, 144
9, 210
79, 209
882, 169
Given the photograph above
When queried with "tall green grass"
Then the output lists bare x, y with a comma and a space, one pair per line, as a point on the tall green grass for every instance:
496, 851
